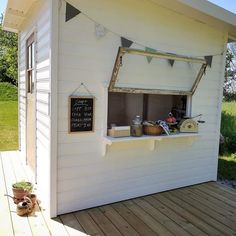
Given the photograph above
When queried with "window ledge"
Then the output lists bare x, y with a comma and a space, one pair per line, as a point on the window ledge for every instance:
108, 141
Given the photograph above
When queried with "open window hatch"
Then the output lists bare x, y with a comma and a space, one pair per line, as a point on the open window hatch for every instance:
152, 84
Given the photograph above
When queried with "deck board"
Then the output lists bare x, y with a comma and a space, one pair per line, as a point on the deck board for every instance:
218, 227
221, 197
21, 225
5, 216
174, 216
163, 219
147, 219
72, 225
133, 220
226, 189
37, 223
116, 219
208, 204
213, 200
195, 220
229, 195
224, 223
103, 222
203, 209
88, 223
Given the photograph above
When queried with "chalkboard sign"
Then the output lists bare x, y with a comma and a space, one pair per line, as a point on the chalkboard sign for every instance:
81, 114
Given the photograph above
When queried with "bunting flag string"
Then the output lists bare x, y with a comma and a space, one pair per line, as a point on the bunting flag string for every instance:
209, 60
71, 12
171, 62
126, 42
149, 58
101, 31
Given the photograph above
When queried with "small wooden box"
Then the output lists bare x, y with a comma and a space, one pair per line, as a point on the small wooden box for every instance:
119, 131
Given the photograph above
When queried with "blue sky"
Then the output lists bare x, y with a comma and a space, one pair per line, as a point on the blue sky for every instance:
2, 5
227, 4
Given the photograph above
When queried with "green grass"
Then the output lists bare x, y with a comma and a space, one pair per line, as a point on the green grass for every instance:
227, 159
8, 125
8, 92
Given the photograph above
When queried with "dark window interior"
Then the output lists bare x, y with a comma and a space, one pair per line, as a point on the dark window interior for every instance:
123, 107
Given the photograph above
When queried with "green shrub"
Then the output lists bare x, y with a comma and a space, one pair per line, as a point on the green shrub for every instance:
228, 127
227, 167
8, 92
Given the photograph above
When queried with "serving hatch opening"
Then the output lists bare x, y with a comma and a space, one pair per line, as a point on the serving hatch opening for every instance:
123, 107
152, 84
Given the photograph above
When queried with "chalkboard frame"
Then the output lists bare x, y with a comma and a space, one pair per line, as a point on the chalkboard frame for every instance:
69, 115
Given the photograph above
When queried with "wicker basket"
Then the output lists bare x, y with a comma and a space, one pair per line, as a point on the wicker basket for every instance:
152, 130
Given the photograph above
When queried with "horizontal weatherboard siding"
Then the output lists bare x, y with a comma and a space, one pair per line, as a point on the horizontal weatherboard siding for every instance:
86, 178
39, 22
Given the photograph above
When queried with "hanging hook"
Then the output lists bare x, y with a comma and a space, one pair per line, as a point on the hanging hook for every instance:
82, 84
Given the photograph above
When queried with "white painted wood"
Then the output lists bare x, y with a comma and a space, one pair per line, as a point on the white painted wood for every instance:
130, 169
220, 99
108, 141
19, 98
54, 8
78, 176
38, 21
43, 108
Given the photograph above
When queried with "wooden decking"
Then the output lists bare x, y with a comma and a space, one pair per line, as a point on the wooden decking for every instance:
205, 209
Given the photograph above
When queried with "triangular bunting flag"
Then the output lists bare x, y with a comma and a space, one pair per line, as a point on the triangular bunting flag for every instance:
126, 43
149, 58
209, 60
171, 62
71, 12
100, 30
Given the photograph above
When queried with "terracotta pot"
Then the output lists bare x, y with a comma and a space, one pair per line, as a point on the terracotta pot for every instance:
20, 193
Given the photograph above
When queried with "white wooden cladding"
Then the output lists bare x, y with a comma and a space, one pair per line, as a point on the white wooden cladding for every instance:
85, 177
38, 22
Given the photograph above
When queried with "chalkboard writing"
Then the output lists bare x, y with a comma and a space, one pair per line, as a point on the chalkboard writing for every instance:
81, 117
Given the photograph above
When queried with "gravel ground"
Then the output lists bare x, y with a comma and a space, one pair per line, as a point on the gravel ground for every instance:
229, 183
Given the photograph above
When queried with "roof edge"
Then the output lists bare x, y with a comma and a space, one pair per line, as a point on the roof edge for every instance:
16, 14
211, 9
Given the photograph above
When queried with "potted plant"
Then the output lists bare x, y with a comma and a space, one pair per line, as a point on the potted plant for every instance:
21, 189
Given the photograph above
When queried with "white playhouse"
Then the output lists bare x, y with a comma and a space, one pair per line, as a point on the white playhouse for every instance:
97, 81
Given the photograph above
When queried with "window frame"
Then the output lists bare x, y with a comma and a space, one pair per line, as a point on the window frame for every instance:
118, 63
30, 63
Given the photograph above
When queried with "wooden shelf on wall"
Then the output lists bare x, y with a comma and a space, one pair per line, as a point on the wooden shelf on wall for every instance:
108, 141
